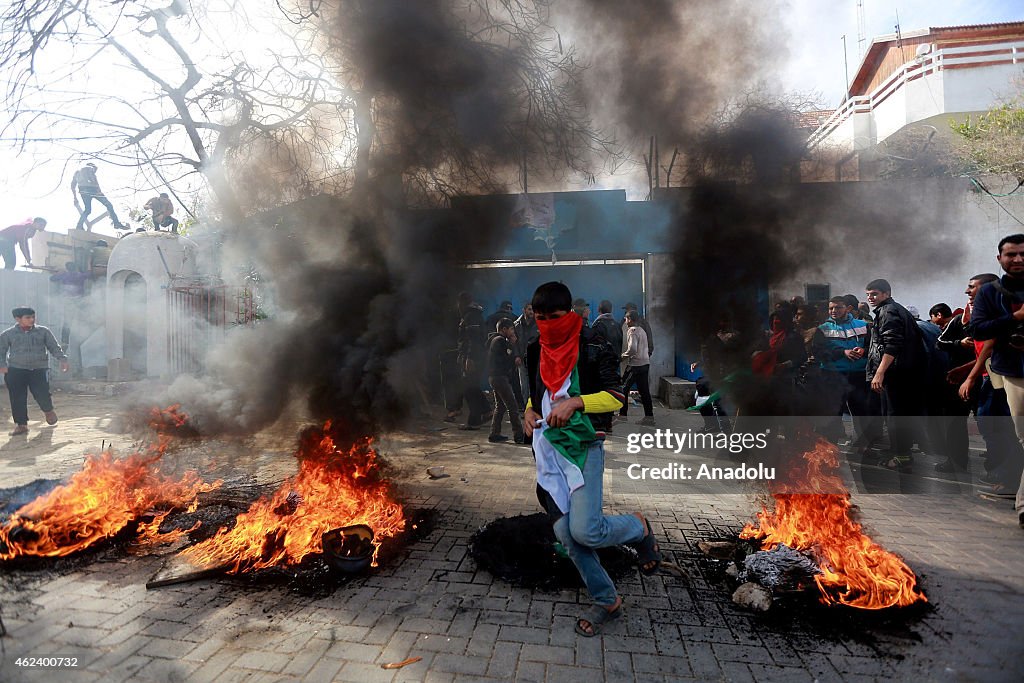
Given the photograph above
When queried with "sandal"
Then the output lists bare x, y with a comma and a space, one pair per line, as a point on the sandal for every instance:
597, 617
648, 552
898, 463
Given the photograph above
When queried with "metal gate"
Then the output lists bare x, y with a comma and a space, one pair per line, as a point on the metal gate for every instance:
198, 318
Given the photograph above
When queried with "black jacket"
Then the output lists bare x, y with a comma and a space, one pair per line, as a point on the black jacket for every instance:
992, 318
949, 342
598, 367
472, 336
609, 328
896, 332
501, 357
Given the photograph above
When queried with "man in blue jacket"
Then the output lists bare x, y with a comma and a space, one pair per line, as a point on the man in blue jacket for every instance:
999, 314
840, 344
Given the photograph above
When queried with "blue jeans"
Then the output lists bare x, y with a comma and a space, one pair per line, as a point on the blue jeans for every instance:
584, 528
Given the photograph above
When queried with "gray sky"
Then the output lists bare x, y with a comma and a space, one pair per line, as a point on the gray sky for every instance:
814, 63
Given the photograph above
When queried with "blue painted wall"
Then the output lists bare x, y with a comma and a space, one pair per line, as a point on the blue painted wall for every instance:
619, 283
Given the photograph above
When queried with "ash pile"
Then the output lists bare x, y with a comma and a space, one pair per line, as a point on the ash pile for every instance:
524, 552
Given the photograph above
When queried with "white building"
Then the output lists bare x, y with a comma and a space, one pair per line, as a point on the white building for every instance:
924, 77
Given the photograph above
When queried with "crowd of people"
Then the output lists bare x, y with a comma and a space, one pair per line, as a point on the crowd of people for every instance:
890, 370
492, 352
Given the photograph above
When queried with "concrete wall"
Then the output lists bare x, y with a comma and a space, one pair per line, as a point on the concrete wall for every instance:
33, 289
158, 258
972, 225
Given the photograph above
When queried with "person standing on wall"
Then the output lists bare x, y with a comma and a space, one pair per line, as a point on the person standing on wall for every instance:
88, 186
18, 235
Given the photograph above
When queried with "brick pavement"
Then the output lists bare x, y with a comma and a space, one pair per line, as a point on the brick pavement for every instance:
466, 626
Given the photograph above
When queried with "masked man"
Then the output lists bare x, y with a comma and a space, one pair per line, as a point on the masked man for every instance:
574, 390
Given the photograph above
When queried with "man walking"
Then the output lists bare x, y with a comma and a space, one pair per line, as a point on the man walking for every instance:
501, 370
638, 367
573, 376
896, 367
999, 314
24, 364
88, 186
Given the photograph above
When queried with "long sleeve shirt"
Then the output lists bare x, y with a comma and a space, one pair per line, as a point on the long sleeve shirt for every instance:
636, 353
27, 349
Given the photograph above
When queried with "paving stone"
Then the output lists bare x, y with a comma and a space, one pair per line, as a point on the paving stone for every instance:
358, 672
521, 634
573, 674
548, 653
460, 664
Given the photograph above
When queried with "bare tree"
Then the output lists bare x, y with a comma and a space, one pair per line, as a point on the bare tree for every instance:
453, 96
184, 118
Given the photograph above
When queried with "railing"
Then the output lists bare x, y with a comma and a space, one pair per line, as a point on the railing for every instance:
962, 57
198, 317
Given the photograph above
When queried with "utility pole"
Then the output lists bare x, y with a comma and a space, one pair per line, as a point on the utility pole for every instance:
846, 70
861, 29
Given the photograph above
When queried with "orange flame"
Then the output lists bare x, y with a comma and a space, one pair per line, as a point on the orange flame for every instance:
856, 571
97, 503
334, 488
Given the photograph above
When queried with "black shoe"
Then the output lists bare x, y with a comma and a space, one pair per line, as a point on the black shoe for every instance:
469, 427
1020, 519
497, 438
948, 467
520, 440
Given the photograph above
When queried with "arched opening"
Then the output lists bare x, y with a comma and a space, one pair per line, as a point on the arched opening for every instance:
135, 324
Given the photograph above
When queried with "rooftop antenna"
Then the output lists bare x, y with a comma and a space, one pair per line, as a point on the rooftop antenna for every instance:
861, 27
899, 36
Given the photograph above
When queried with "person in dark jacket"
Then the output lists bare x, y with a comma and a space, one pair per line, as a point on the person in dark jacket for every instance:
526, 334
573, 377
949, 426
999, 314
501, 372
505, 310
606, 326
471, 358
896, 369
1004, 455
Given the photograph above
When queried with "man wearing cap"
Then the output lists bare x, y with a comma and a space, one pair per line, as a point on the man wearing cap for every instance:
581, 308
18, 235
88, 186
505, 310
